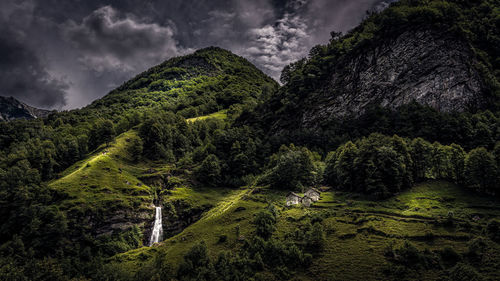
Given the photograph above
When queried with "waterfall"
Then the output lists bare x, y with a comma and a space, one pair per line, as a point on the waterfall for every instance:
156, 235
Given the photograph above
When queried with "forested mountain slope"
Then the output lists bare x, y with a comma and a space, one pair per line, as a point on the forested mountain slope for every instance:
396, 123
204, 82
87, 178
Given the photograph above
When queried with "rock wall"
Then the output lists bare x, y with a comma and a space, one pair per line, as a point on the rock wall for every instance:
431, 68
121, 220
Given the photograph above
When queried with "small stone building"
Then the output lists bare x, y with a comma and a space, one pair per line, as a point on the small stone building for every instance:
307, 201
313, 194
293, 199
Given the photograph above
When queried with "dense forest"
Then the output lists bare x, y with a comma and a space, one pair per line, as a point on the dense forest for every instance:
212, 120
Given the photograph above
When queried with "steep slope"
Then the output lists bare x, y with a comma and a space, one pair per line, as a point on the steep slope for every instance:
103, 193
428, 67
11, 109
438, 54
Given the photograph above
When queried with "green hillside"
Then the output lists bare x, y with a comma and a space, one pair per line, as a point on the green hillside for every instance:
198, 84
85, 181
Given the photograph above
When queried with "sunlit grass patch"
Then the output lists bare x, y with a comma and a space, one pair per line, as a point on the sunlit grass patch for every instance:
217, 115
106, 178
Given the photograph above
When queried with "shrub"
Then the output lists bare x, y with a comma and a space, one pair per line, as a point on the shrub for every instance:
196, 264
282, 272
464, 272
493, 230
476, 247
209, 171
397, 271
308, 259
316, 218
429, 235
222, 238
409, 256
265, 221
316, 237
450, 256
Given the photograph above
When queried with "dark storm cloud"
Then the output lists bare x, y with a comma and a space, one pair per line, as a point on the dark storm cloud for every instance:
279, 43
298, 26
23, 73
24, 77
77, 51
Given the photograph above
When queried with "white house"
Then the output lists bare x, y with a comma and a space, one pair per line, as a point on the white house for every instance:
306, 201
293, 199
312, 193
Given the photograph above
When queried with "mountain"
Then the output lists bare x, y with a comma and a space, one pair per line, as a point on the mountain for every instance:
428, 67
102, 189
11, 109
439, 54
206, 81
394, 124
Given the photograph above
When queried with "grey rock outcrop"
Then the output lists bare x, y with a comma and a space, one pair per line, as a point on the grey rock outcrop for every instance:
121, 220
428, 67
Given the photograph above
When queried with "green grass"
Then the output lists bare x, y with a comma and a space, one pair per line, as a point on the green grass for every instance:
105, 180
357, 229
233, 210
197, 196
217, 115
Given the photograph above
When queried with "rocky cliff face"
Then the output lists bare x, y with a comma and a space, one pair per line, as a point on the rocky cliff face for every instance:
428, 67
11, 109
121, 221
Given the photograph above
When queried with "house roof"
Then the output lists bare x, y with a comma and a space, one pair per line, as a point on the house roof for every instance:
293, 194
306, 197
314, 189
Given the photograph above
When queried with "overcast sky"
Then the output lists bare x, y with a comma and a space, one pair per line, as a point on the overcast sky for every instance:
63, 54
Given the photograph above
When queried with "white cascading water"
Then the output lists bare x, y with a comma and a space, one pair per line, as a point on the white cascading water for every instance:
157, 233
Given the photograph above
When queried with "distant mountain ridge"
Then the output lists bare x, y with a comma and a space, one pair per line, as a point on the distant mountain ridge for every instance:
11, 109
